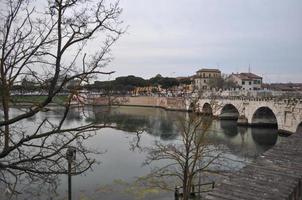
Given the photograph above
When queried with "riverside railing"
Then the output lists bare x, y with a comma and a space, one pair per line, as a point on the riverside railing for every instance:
196, 190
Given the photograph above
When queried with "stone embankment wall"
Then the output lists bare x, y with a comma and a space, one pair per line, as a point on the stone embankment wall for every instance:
169, 103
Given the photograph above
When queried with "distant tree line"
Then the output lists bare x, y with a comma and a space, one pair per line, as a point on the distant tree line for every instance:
32, 85
126, 84
121, 85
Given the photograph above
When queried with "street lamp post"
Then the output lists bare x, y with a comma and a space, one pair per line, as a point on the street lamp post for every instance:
70, 156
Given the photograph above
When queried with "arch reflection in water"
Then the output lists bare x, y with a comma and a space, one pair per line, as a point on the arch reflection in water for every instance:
229, 127
265, 137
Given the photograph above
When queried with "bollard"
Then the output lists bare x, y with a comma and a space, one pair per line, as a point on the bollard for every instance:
193, 190
71, 157
176, 193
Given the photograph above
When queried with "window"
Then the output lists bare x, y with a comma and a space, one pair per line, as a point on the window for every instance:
205, 81
210, 75
250, 82
243, 83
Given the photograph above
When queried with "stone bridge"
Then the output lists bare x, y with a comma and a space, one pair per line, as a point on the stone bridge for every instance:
285, 114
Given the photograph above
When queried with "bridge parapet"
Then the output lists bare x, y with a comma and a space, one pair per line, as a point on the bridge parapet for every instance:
292, 100
287, 112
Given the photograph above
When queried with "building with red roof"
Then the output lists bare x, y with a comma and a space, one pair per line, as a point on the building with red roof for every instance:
247, 81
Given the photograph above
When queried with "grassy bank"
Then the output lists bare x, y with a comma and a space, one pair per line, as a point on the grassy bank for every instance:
35, 99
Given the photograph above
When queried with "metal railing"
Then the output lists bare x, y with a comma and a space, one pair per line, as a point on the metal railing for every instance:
196, 190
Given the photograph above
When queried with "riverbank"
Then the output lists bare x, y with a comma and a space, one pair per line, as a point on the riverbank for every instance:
167, 103
35, 99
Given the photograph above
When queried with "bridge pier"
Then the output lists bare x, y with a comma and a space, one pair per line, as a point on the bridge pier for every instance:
228, 116
242, 121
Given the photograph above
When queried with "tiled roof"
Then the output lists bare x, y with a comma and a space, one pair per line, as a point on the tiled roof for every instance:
247, 76
209, 70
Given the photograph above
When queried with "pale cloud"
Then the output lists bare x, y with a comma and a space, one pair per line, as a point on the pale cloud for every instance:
177, 37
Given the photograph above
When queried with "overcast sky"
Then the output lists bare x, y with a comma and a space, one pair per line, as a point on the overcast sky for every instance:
178, 37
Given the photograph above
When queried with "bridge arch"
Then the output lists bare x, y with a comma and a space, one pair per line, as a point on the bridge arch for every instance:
299, 128
207, 109
229, 111
264, 116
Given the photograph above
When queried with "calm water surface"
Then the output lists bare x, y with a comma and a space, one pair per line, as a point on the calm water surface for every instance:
122, 161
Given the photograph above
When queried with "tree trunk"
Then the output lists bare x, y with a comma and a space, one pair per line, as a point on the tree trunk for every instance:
186, 182
5, 104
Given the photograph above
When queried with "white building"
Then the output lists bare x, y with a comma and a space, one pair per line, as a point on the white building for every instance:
247, 81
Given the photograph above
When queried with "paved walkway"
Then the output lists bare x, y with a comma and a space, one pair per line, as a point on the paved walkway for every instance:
277, 174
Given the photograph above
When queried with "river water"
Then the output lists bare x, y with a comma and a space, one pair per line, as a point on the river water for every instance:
123, 149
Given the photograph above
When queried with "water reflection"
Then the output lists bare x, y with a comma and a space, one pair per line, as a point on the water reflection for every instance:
245, 142
56, 113
261, 138
156, 122
138, 127
229, 127
265, 137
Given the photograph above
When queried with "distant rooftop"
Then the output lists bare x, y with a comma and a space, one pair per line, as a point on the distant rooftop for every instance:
209, 70
182, 77
247, 76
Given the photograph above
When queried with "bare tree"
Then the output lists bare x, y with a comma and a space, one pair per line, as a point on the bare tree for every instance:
192, 155
53, 47
222, 82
